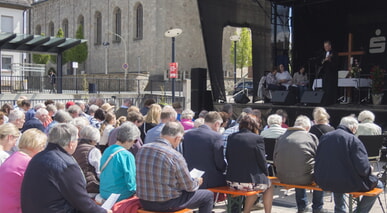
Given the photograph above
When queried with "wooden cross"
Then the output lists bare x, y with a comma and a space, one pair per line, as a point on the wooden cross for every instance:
350, 53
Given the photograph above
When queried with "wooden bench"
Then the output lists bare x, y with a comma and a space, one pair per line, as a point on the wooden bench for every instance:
234, 197
179, 211
354, 197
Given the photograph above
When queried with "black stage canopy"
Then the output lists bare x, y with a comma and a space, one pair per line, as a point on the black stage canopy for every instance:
39, 44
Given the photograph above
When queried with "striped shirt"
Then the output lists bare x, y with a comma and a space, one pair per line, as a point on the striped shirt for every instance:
162, 173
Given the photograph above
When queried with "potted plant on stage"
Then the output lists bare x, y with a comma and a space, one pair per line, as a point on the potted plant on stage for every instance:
377, 77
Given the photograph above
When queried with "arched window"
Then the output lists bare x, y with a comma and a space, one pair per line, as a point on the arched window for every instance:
139, 21
38, 30
81, 22
65, 27
51, 30
98, 28
117, 24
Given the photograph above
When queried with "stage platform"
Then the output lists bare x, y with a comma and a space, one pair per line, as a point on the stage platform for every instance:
336, 111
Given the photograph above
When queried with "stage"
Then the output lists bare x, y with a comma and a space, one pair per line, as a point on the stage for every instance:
336, 111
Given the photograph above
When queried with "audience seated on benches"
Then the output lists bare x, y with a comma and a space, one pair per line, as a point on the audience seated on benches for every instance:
243, 173
294, 160
345, 151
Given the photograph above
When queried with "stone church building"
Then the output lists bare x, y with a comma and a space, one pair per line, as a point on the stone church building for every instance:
135, 28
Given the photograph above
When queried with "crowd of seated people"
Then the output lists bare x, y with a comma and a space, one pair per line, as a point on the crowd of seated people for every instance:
157, 172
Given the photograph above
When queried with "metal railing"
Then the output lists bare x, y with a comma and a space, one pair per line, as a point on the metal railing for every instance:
84, 84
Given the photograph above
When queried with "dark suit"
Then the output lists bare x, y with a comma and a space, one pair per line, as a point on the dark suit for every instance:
328, 71
246, 158
203, 150
33, 123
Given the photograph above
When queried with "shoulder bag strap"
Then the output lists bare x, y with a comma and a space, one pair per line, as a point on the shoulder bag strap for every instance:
110, 157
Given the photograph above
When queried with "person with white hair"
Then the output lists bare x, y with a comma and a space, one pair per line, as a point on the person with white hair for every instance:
17, 118
321, 122
186, 119
31, 112
88, 157
274, 129
367, 125
294, 155
53, 181
342, 166
41, 116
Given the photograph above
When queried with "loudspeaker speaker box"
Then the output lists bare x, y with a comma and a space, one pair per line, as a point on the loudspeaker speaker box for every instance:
241, 98
312, 97
282, 97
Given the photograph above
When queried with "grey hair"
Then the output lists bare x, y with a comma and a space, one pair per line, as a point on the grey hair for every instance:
62, 134
168, 112
187, 114
51, 108
366, 115
39, 105
93, 108
127, 132
74, 109
198, 122
41, 111
274, 119
62, 116
172, 129
302, 121
80, 122
90, 133
15, 114
350, 122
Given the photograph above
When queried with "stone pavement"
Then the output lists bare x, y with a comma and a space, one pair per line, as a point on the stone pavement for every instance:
285, 202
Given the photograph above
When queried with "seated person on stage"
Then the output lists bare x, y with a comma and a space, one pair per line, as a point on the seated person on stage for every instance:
283, 77
274, 129
203, 150
246, 159
271, 81
88, 157
300, 81
53, 181
342, 166
118, 173
367, 125
294, 155
164, 182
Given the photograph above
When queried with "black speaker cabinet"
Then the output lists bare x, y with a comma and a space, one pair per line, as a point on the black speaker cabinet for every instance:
282, 97
312, 97
241, 98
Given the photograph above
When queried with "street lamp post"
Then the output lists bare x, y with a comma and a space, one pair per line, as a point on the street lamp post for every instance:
173, 33
106, 44
126, 58
235, 39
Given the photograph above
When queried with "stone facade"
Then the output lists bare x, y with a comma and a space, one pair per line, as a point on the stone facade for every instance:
152, 53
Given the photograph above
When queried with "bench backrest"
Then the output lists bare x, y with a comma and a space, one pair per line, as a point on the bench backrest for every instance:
373, 144
269, 148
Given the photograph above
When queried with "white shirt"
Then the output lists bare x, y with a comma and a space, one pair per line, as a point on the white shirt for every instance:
95, 159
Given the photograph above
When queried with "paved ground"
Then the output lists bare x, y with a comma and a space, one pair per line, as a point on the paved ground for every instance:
284, 202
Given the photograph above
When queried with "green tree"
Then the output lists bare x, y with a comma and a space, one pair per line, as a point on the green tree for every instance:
79, 53
243, 48
66, 54
40, 58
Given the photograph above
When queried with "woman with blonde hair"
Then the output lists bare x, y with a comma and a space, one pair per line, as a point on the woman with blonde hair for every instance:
9, 134
12, 170
321, 122
152, 119
107, 126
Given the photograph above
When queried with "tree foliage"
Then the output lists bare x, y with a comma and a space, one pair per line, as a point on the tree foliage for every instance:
243, 49
66, 54
79, 53
40, 58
